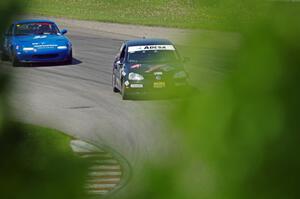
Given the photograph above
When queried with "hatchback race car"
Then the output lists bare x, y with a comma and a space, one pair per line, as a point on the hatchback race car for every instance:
36, 41
148, 66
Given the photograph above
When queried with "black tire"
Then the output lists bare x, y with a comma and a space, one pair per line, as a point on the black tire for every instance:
16, 62
4, 56
69, 61
115, 89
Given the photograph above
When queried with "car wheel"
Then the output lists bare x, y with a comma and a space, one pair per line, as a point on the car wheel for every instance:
16, 62
70, 59
114, 84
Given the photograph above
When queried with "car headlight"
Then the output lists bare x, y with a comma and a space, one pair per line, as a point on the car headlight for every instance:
135, 77
180, 75
28, 49
62, 47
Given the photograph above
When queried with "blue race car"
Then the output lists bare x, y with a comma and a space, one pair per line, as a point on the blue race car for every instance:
36, 41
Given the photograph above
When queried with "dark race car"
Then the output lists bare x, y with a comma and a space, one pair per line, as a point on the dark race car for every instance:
148, 67
36, 41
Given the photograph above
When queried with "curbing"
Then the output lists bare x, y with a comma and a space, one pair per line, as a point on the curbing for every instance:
109, 173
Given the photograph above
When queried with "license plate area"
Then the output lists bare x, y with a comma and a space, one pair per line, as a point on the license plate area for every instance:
159, 85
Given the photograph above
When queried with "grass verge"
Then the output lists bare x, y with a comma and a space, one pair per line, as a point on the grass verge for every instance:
38, 162
168, 13
174, 13
50, 139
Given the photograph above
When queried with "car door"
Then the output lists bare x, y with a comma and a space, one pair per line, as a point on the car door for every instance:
118, 66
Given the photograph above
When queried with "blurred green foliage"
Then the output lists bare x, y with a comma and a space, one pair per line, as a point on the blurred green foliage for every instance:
35, 162
241, 133
8, 9
38, 163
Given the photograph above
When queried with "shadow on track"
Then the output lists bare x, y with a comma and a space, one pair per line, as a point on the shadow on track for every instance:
74, 62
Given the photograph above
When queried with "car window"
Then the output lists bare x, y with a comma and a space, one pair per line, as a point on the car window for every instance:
36, 28
123, 52
10, 30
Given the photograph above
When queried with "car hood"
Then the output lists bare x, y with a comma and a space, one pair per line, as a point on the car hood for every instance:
41, 40
150, 68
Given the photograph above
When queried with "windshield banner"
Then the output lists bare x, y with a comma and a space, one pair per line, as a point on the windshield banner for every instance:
133, 49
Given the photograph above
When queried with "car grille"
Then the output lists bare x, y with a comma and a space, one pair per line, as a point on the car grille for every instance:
45, 56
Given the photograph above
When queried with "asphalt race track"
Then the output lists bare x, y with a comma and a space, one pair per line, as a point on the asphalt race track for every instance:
78, 99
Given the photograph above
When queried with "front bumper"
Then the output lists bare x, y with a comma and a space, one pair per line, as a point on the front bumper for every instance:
156, 88
43, 56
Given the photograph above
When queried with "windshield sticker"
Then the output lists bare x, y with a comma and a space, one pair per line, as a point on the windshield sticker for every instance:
43, 24
133, 49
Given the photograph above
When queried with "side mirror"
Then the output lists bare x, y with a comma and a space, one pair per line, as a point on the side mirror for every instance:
64, 31
119, 64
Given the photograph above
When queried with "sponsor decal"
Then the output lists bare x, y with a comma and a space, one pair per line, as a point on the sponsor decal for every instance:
133, 49
136, 66
136, 85
126, 83
40, 37
158, 73
159, 84
45, 46
155, 67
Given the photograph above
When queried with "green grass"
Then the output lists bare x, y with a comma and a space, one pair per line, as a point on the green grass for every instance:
48, 140
39, 161
169, 13
208, 14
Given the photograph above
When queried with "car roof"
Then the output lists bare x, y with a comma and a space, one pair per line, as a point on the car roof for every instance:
144, 42
33, 21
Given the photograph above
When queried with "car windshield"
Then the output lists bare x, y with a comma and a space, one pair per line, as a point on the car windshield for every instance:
37, 28
154, 53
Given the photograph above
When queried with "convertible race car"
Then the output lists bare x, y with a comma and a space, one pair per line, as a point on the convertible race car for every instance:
148, 66
36, 41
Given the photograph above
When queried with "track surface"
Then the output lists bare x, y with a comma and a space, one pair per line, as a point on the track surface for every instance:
78, 100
